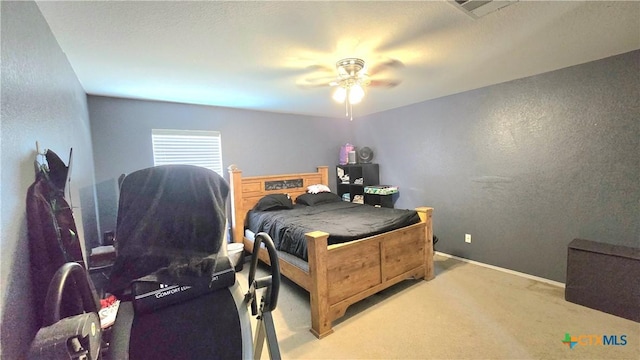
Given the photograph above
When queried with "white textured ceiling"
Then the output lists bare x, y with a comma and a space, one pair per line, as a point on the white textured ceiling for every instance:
253, 55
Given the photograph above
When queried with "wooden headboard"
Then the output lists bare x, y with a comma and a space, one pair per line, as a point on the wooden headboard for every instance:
247, 191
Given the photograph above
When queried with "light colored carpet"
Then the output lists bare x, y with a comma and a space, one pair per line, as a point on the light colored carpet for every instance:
466, 312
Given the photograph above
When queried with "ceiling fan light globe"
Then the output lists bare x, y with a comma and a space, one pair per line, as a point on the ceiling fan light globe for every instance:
356, 93
340, 94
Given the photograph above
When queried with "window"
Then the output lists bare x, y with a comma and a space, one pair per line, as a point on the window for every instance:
190, 147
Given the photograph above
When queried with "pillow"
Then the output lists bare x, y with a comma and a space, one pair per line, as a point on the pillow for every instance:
317, 199
317, 188
274, 202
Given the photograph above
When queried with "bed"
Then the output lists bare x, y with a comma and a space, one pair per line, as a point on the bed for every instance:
338, 275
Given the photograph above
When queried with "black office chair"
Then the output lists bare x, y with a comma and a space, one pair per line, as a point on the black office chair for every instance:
178, 290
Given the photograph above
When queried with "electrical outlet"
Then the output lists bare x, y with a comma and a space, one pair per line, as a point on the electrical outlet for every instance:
467, 238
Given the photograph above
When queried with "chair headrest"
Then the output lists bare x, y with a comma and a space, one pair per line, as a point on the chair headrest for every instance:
167, 214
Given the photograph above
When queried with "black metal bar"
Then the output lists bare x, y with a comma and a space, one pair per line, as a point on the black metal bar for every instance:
69, 271
270, 331
274, 289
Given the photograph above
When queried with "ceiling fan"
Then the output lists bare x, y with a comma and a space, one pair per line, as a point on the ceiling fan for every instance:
351, 80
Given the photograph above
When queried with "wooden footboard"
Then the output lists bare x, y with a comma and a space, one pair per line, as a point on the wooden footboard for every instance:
345, 274
341, 275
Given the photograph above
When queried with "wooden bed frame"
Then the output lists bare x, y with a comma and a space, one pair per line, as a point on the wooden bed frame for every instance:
343, 274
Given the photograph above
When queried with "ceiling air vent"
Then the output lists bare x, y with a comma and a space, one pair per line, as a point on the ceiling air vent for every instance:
480, 8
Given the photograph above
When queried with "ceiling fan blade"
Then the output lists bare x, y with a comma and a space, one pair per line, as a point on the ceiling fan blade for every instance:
306, 84
317, 79
312, 86
319, 67
386, 65
385, 83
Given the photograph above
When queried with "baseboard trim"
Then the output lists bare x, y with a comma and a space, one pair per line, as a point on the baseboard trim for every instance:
512, 272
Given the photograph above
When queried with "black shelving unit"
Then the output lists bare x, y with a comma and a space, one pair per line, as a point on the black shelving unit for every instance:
386, 201
355, 178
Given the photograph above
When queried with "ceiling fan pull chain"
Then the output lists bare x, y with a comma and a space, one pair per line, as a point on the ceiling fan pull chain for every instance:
346, 108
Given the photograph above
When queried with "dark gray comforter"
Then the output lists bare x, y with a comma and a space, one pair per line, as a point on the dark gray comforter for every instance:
343, 221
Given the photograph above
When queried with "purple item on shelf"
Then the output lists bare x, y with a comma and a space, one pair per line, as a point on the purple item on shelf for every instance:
344, 153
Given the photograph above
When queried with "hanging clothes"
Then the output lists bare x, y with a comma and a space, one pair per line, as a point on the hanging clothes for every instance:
53, 236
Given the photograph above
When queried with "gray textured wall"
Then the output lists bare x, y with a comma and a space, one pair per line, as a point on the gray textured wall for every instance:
41, 101
524, 166
257, 142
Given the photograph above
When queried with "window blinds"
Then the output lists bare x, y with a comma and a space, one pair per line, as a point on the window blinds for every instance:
190, 147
